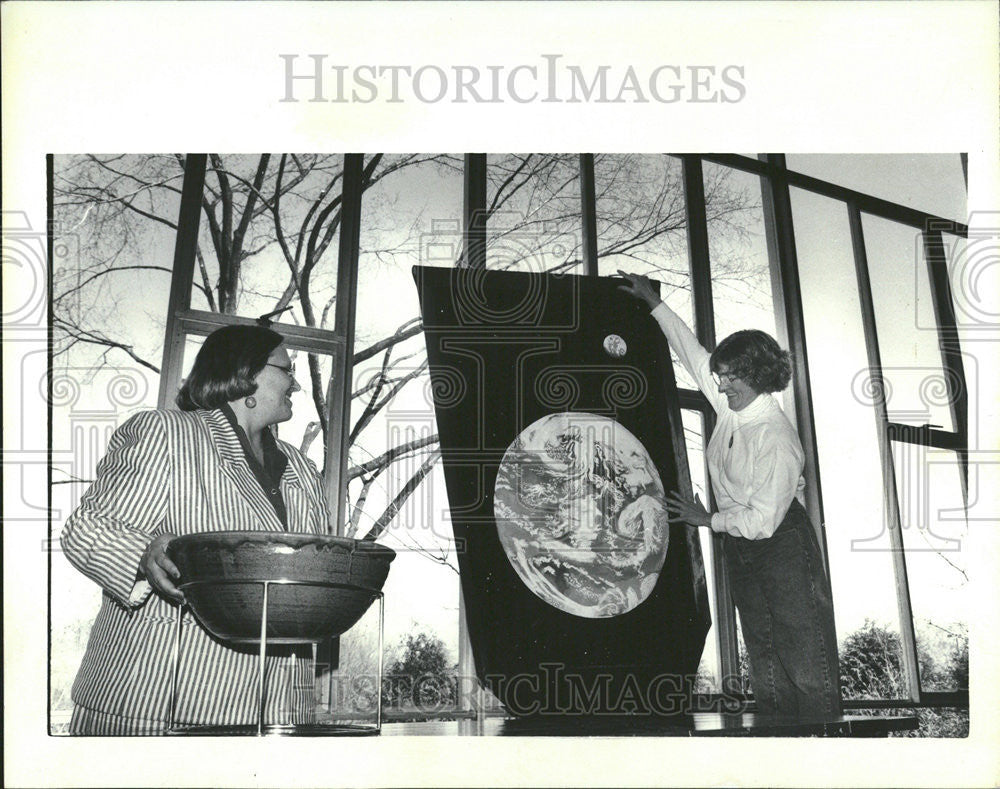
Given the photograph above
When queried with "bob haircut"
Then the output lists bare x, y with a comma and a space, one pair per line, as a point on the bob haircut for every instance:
226, 366
754, 357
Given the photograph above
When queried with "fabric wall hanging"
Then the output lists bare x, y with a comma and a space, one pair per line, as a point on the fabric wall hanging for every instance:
560, 432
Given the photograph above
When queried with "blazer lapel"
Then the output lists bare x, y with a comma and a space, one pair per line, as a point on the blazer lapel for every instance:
296, 496
234, 465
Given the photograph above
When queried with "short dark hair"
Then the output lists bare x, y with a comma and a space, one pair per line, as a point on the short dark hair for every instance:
226, 366
756, 358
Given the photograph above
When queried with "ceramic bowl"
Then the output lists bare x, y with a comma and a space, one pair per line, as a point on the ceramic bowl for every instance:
319, 586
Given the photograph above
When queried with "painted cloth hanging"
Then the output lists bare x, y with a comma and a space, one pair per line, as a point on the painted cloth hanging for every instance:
560, 433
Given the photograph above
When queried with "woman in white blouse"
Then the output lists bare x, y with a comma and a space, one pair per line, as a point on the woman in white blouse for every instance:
772, 556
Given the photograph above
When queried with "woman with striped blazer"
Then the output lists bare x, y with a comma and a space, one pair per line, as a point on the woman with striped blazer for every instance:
212, 466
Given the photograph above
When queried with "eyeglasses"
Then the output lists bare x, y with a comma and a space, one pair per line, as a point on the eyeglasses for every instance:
727, 377
290, 370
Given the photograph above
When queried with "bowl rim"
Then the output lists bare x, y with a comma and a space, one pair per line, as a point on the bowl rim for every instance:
295, 539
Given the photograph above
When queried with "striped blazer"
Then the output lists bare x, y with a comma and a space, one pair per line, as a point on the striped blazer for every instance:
180, 472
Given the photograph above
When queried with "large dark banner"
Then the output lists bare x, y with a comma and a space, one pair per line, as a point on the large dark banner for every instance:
560, 433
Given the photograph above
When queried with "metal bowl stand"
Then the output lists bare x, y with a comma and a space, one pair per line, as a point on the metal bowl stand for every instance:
260, 728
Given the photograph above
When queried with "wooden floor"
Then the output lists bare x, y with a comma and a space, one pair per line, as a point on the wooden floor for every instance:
697, 725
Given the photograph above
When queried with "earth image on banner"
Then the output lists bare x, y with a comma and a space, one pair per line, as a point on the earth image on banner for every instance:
580, 512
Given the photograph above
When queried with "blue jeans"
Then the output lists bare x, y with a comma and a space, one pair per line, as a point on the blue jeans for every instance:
781, 590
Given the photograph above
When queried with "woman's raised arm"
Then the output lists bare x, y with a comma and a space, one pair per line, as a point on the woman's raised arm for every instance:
683, 342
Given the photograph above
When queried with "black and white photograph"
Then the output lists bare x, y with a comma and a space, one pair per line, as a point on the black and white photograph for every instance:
636, 460
523, 474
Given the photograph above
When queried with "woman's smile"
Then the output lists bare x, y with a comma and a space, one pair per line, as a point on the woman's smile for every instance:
738, 392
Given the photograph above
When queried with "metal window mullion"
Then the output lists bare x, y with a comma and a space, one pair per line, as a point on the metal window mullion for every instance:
474, 235
890, 492
948, 342
947, 698
694, 400
870, 205
769, 166
704, 318
738, 162
588, 206
339, 393
299, 338
957, 699
474, 210
182, 276
786, 292
928, 437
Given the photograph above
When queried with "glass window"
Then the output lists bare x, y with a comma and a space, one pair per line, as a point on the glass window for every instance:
535, 221
346, 694
737, 243
110, 286
900, 178
694, 439
857, 541
936, 545
973, 276
641, 218
642, 228
111, 262
917, 391
742, 661
269, 236
410, 215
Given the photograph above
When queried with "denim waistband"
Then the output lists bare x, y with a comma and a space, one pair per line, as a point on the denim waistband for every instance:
795, 518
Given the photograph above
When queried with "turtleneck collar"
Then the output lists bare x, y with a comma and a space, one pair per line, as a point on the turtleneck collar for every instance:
758, 406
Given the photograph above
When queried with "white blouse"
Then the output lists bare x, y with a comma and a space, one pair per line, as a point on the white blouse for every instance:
755, 458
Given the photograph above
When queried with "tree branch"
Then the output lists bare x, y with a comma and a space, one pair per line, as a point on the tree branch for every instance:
94, 338
374, 408
397, 503
380, 463
402, 333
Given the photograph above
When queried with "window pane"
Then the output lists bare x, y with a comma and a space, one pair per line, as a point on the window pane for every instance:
974, 279
708, 669
936, 544
849, 463
410, 216
928, 182
111, 264
641, 220
110, 285
346, 694
253, 262
741, 273
642, 228
87, 406
535, 221
917, 391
